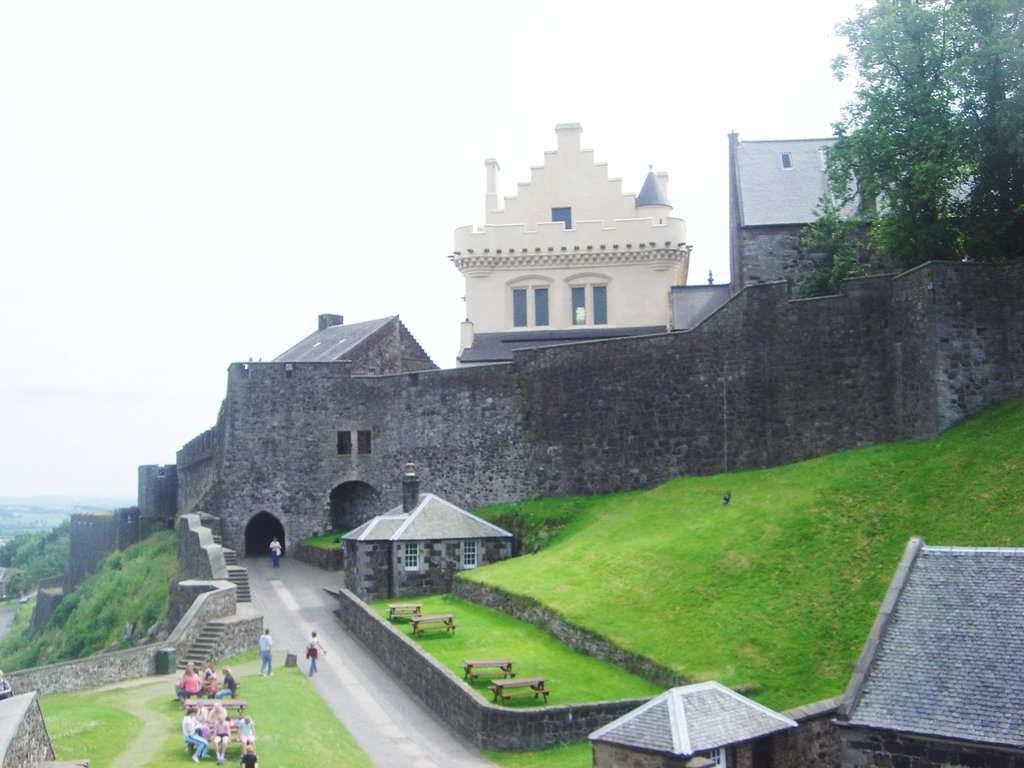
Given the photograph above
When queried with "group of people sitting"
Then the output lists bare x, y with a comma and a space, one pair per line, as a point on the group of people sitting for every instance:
202, 725
206, 686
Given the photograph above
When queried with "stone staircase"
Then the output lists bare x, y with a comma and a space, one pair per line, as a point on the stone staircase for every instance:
237, 574
204, 647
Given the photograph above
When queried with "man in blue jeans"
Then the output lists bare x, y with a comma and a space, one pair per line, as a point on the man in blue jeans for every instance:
266, 644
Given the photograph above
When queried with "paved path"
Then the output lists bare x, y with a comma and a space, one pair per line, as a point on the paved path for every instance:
6, 617
384, 718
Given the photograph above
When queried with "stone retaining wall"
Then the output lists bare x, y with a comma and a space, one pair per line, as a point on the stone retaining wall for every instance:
485, 725
324, 559
529, 610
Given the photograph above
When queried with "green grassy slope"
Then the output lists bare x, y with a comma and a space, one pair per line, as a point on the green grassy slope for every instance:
128, 586
775, 593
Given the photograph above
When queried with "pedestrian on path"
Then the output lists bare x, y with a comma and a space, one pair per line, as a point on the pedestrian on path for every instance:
266, 645
275, 552
313, 649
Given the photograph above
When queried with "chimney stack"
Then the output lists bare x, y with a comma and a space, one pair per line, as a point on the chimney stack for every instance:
410, 488
329, 321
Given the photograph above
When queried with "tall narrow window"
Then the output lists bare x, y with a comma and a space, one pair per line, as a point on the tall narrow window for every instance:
579, 306
519, 307
600, 305
469, 554
563, 215
363, 441
540, 306
787, 160
344, 442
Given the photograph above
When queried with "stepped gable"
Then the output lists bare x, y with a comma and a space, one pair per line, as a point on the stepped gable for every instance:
944, 657
693, 719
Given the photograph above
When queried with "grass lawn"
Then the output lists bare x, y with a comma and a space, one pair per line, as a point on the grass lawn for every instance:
483, 633
774, 594
139, 724
568, 756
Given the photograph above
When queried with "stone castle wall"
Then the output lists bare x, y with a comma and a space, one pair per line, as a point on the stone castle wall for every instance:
765, 381
94, 535
24, 740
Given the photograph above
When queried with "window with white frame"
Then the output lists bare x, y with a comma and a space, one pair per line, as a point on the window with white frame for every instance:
412, 557
717, 756
469, 554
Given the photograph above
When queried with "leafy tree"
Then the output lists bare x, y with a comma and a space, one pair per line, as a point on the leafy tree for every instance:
839, 243
35, 556
935, 132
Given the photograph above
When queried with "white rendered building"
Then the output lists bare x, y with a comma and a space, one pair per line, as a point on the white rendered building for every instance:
570, 257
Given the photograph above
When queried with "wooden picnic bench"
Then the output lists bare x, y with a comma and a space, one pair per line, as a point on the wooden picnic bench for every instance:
470, 665
238, 704
521, 686
407, 610
443, 621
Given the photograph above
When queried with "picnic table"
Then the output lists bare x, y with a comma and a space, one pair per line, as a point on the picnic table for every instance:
407, 610
238, 704
470, 665
445, 621
519, 686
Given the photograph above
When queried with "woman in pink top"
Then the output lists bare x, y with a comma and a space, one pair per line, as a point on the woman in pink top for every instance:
191, 684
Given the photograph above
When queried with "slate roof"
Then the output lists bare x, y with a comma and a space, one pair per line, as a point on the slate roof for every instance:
652, 192
498, 347
432, 519
693, 718
772, 194
332, 343
945, 655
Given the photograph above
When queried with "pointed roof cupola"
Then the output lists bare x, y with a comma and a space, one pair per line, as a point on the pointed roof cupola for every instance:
653, 191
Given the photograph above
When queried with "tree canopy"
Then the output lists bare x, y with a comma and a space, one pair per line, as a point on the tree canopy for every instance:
932, 144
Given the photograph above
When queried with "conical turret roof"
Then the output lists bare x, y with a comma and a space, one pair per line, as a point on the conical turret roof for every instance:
652, 192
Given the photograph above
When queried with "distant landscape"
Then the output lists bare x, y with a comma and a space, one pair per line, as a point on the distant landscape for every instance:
43, 513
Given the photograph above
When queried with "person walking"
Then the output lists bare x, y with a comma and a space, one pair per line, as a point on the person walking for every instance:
313, 649
266, 645
275, 552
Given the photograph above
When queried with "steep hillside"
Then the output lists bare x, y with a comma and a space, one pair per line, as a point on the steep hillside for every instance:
129, 589
774, 593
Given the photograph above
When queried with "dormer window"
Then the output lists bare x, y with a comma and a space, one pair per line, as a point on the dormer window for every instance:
563, 215
787, 160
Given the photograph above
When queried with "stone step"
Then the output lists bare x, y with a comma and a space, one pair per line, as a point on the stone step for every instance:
239, 576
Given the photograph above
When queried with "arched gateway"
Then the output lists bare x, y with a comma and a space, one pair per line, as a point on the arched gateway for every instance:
259, 531
352, 504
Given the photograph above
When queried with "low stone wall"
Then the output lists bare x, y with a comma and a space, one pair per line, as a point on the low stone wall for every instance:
324, 559
529, 610
485, 725
816, 743
24, 740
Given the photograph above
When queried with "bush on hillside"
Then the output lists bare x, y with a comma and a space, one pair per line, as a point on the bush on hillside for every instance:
35, 556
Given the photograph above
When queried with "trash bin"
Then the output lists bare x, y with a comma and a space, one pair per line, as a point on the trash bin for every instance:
165, 661
290, 660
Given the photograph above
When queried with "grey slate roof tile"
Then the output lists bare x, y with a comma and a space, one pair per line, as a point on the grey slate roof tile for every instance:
691, 719
332, 343
499, 346
772, 194
950, 660
432, 519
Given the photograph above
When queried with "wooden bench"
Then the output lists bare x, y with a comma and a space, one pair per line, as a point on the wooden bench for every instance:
470, 665
238, 704
405, 610
443, 621
523, 686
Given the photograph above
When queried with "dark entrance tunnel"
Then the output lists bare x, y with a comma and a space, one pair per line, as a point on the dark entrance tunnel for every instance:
353, 503
258, 533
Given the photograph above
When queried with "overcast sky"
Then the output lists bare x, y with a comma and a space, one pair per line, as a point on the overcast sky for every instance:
188, 184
